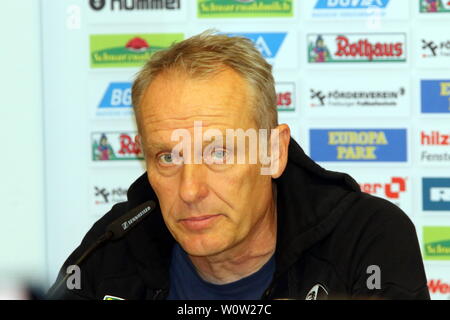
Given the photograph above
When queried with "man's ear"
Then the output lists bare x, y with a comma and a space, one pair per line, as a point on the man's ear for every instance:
279, 150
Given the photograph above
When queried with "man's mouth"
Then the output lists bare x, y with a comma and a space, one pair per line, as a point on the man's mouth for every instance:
200, 222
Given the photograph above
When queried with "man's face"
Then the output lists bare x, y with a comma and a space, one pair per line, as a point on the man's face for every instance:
208, 208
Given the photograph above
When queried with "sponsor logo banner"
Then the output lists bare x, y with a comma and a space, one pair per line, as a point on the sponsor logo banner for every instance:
244, 8
347, 4
122, 50
116, 100
352, 96
110, 186
439, 288
436, 194
268, 43
109, 146
433, 6
433, 47
358, 145
285, 96
434, 145
438, 281
372, 11
436, 243
105, 195
127, 5
349, 9
435, 96
356, 47
395, 189
132, 11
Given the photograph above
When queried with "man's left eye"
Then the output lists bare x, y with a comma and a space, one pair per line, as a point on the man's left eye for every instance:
217, 155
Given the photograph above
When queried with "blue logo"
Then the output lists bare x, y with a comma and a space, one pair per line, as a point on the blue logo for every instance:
435, 96
268, 43
358, 145
118, 95
436, 194
350, 4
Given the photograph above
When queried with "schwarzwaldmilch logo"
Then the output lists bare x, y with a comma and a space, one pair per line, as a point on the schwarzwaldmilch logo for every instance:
128, 50
97, 4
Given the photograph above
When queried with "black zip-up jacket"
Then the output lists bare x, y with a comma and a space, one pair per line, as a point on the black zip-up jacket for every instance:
333, 241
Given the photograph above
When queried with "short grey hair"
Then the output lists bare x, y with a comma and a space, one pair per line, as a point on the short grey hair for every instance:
205, 55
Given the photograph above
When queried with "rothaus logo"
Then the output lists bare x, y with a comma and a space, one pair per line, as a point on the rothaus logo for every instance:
431, 48
350, 4
285, 96
320, 98
356, 47
391, 190
129, 222
436, 194
132, 5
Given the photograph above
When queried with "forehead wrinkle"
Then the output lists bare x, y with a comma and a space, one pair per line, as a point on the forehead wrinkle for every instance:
160, 144
160, 136
151, 119
208, 121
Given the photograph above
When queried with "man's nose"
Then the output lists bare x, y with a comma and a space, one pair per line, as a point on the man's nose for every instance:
193, 186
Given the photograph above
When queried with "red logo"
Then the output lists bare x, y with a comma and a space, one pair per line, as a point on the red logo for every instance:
391, 190
438, 286
128, 146
137, 44
435, 138
284, 99
364, 48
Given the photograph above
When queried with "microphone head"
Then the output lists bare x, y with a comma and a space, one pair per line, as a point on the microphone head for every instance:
129, 220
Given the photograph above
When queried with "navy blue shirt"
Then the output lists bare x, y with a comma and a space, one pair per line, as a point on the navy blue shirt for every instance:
186, 284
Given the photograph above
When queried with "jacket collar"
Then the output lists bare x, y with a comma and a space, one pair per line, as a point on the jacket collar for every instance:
310, 201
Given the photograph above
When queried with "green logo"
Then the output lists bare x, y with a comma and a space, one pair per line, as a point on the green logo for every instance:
436, 243
244, 8
127, 50
109, 297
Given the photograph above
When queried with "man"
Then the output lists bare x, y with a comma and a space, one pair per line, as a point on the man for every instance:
228, 226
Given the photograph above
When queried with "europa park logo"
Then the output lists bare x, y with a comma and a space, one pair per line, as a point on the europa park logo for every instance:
125, 50
366, 145
244, 8
357, 47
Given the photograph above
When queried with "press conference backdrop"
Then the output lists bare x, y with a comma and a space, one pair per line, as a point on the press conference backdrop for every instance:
363, 84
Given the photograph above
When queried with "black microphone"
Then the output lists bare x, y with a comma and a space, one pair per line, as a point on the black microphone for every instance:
115, 230
125, 223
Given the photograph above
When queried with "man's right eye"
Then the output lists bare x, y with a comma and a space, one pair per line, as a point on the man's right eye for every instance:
169, 159
165, 159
